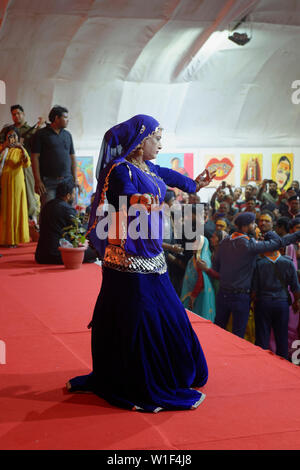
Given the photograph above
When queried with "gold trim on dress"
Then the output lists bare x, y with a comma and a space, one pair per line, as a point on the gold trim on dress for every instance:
117, 258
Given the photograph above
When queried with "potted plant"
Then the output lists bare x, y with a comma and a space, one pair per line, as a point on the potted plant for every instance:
73, 244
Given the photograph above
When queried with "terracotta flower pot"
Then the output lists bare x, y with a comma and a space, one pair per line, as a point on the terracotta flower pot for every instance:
33, 233
72, 257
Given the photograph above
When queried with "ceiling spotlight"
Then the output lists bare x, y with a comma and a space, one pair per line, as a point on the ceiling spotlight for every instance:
239, 38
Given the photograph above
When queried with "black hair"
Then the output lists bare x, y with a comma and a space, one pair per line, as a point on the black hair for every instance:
11, 128
64, 188
225, 202
283, 222
169, 195
295, 221
16, 106
56, 111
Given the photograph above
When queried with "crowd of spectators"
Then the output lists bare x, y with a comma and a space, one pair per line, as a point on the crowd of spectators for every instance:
197, 274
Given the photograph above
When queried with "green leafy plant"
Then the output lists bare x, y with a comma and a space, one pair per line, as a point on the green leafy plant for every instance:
75, 233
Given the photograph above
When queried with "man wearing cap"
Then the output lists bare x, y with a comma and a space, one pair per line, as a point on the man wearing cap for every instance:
235, 261
274, 274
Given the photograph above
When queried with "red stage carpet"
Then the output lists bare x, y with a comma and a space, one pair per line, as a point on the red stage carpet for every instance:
252, 396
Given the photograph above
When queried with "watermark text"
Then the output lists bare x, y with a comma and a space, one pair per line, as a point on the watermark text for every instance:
2, 92
296, 94
2, 352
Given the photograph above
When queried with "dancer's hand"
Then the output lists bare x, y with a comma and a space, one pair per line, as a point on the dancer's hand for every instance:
178, 249
204, 179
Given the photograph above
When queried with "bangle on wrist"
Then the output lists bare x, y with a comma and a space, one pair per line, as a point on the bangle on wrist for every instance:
198, 186
135, 199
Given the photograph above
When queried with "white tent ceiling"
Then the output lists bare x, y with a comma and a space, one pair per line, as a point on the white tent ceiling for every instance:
107, 60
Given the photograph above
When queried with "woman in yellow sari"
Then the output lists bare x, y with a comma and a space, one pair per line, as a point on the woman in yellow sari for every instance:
14, 227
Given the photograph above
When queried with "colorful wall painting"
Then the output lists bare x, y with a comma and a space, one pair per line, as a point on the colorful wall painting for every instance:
224, 165
251, 168
85, 178
181, 162
282, 170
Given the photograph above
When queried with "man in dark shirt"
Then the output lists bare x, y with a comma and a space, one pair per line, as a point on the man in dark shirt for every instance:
235, 261
26, 133
265, 222
294, 207
53, 156
57, 214
268, 196
209, 223
282, 202
249, 192
295, 184
274, 274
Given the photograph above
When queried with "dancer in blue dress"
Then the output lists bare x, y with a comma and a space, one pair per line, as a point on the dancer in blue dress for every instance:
145, 353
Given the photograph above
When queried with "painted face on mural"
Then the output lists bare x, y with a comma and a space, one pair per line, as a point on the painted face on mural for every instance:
283, 172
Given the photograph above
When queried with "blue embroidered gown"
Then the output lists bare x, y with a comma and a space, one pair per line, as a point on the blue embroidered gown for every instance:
145, 353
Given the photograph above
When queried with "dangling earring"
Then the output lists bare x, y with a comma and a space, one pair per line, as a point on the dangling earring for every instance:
140, 152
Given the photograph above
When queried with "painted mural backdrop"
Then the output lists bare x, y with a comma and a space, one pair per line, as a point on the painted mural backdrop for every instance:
282, 169
85, 179
181, 162
224, 165
251, 168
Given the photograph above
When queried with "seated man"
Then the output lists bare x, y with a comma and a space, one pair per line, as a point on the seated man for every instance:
55, 215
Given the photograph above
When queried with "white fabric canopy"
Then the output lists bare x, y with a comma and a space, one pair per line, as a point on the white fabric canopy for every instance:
106, 60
